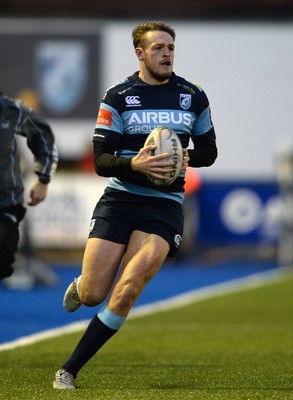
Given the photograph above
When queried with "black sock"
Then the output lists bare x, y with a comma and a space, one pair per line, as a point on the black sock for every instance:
96, 334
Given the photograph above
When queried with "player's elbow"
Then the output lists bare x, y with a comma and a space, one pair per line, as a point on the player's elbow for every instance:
101, 171
203, 157
213, 154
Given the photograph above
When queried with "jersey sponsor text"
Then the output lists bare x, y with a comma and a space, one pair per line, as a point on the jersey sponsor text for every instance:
104, 117
161, 118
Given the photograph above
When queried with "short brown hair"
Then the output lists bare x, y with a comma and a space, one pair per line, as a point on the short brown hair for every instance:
140, 30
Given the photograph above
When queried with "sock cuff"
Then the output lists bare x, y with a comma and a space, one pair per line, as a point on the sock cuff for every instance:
110, 319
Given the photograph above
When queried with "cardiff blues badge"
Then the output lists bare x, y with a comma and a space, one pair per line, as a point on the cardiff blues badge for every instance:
185, 101
62, 74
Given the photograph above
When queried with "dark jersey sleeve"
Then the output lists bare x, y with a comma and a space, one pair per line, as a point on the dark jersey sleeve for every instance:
203, 136
40, 140
205, 150
107, 164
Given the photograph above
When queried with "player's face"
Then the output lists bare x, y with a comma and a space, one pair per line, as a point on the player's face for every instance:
156, 57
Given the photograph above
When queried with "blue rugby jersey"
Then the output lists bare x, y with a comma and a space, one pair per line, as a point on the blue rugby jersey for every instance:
131, 109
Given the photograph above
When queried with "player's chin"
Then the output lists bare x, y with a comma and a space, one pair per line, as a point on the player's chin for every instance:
164, 73
167, 74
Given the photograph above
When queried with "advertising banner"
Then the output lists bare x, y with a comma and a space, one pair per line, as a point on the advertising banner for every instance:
238, 212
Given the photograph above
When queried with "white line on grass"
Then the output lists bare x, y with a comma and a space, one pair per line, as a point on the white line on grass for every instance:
220, 289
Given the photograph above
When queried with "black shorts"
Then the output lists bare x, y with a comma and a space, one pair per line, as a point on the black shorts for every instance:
118, 214
9, 237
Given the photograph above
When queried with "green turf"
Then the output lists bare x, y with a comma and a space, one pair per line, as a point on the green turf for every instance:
237, 346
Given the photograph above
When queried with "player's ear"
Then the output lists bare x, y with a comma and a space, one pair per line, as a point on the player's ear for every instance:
139, 53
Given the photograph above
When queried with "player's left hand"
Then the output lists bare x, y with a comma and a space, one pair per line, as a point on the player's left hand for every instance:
38, 193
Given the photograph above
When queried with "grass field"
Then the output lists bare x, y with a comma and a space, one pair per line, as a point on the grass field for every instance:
237, 346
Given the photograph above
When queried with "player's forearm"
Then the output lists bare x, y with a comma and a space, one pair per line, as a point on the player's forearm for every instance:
203, 156
108, 165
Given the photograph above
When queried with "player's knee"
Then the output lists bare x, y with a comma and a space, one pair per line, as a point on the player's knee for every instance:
90, 299
127, 295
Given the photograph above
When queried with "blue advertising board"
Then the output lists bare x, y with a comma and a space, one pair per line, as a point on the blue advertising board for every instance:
238, 212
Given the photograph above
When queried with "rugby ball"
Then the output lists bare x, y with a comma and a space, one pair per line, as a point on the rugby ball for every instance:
167, 141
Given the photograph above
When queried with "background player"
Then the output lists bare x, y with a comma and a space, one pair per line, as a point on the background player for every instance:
18, 119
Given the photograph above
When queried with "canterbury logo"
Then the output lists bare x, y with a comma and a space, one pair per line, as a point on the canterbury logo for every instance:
133, 101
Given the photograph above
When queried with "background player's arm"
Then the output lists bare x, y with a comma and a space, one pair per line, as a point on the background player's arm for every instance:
41, 142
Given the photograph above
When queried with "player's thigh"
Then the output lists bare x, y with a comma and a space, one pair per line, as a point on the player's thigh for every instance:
144, 256
100, 264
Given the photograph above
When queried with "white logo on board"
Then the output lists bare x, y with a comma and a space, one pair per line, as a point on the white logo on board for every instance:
241, 211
